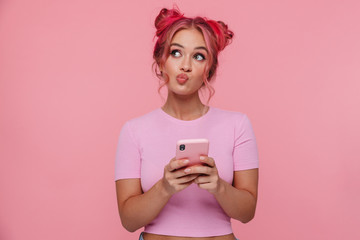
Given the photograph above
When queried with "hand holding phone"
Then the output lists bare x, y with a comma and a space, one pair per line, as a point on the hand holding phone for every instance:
192, 149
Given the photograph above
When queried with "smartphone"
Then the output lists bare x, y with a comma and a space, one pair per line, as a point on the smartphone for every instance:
192, 149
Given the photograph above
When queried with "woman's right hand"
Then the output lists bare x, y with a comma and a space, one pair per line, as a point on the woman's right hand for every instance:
176, 178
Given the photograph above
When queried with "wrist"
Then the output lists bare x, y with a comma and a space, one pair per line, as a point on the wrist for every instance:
160, 185
221, 188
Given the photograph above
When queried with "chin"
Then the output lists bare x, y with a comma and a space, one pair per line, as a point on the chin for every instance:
182, 90
183, 93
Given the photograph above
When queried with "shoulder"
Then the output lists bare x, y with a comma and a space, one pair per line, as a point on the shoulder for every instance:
143, 119
238, 121
141, 123
228, 114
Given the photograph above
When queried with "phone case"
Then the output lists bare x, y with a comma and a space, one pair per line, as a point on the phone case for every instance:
192, 149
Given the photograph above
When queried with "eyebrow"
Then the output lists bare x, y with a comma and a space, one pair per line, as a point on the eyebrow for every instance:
179, 45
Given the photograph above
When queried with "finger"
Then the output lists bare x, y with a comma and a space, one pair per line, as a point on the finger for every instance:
178, 173
185, 185
205, 185
208, 160
176, 164
200, 169
168, 166
203, 179
186, 179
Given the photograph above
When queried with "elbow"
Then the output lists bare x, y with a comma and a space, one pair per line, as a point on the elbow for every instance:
248, 214
129, 227
127, 223
245, 218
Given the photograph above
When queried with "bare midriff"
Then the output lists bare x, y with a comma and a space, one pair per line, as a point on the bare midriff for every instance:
150, 236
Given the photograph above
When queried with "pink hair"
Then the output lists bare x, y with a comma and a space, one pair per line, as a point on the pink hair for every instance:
216, 35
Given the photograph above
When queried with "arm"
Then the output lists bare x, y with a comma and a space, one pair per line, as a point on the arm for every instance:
237, 200
133, 204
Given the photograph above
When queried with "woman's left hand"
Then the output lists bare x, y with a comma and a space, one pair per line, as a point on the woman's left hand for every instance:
209, 178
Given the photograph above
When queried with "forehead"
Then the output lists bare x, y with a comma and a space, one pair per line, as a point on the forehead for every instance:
189, 38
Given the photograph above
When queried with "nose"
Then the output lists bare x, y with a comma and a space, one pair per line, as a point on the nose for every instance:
186, 64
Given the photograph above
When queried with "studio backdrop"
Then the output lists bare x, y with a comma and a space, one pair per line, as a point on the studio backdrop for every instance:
72, 72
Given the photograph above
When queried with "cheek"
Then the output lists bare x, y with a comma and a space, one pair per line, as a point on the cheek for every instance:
201, 70
170, 64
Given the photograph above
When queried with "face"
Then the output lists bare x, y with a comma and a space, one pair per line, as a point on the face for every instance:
186, 63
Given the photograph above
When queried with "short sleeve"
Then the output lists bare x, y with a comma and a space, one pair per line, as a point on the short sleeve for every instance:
245, 152
127, 160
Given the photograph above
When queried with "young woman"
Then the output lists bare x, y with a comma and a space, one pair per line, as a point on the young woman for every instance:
166, 196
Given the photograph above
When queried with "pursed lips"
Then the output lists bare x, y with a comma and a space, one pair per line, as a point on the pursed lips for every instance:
182, 78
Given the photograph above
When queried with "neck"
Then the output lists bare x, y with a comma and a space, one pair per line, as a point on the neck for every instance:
184, 107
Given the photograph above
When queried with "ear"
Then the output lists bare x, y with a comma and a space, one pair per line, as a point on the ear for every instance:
161, 70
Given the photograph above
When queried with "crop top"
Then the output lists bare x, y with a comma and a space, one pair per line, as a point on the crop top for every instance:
147, 143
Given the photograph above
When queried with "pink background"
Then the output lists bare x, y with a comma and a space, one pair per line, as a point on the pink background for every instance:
72, 72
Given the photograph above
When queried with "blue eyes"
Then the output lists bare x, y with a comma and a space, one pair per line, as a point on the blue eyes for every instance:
197, 56
175, 53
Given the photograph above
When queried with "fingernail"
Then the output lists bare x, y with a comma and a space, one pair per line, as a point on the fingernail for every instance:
202, 158
187, 170
186, 161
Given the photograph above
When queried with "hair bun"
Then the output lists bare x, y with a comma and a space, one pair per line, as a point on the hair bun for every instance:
222, 32
228, 34
165, 18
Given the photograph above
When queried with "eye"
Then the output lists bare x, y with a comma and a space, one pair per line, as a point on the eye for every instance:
199, 57
175, 53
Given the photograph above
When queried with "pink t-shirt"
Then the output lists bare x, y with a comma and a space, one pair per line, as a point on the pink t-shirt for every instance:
147, 143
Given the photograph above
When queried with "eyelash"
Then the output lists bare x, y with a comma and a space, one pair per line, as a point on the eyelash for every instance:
197, 54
